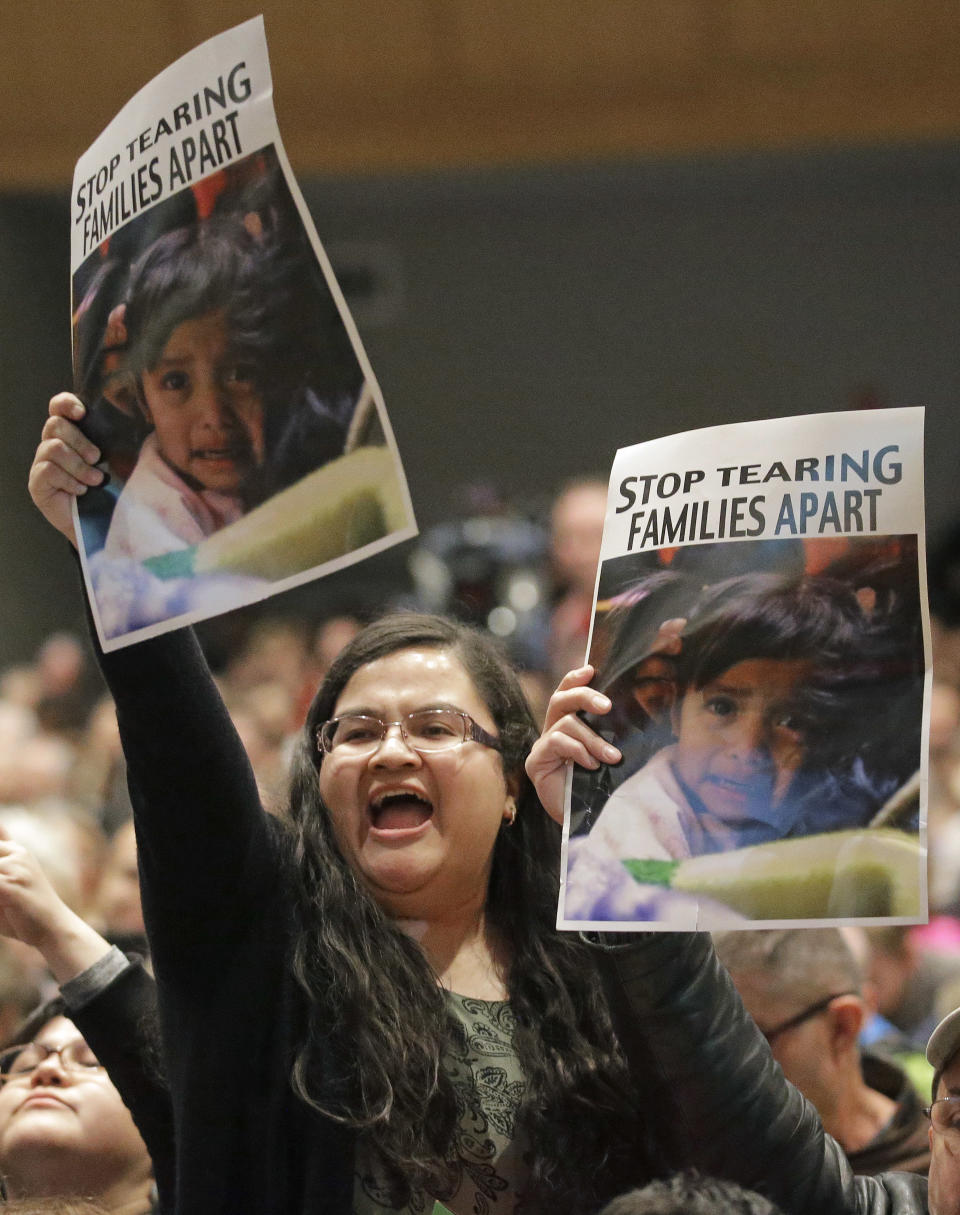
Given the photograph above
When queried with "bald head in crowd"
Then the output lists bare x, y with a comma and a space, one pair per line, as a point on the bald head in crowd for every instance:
803, 988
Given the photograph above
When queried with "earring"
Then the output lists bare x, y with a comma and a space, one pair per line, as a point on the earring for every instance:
511, 815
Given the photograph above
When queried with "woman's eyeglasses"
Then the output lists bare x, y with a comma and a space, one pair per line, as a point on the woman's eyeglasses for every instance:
19, 1061
426, 731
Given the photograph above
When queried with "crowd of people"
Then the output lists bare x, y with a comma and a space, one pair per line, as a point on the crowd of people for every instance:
348, 898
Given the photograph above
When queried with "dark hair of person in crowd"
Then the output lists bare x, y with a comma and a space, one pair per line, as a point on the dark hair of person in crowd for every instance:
690, 1194
391, 1018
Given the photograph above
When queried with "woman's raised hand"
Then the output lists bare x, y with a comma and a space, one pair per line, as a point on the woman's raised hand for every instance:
31, 911
63, 466
566, 739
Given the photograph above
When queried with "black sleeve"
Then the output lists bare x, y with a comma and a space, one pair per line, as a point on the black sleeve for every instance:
207, 850
723, 1105
120, 1024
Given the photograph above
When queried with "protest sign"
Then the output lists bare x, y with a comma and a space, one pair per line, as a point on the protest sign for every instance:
760, 627
244, 434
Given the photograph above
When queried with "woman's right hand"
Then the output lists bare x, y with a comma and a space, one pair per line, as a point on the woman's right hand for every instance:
567, 739
63, 466
31, 911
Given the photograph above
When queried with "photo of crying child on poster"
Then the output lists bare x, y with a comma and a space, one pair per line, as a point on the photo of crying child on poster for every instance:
244, 443
767, 701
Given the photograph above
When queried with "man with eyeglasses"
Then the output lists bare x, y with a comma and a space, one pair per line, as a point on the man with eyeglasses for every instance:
803, 989
943, 1053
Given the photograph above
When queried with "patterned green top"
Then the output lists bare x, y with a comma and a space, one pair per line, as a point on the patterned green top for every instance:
490, 1164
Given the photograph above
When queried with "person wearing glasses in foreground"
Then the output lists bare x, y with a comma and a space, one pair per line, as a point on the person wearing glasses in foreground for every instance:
364, 1006
370, 1007
64, 1130
79, 1063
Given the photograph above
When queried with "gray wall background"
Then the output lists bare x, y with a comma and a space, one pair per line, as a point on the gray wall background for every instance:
523, 325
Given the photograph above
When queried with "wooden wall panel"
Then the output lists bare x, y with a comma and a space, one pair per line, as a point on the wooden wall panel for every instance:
381, 85
569, 47
845, 31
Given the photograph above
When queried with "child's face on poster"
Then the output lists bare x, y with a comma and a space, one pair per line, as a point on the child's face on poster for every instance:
741, 739
205, 406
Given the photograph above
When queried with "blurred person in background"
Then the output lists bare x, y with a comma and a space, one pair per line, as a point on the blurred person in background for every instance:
803, 988
38, 767
67, 847
19, 988
98, 778
329, 638
487, 569
67, 685
908, 978
59, 685
116, 910
274, 651
265, 717
576, 533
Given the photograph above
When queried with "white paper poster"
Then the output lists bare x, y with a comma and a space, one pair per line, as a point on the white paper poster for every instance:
244, 435
760, 626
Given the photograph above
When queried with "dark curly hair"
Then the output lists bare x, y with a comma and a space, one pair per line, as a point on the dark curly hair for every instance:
371, 991
688, 1193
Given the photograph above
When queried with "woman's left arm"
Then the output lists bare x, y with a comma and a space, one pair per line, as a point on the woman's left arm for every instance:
719, 1102
722, 1105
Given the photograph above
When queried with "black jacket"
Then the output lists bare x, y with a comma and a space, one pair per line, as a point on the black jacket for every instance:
220, 928
721, 1102
120, 1024
212, 870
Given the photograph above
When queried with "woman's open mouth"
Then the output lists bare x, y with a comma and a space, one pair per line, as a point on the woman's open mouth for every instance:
402, 810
